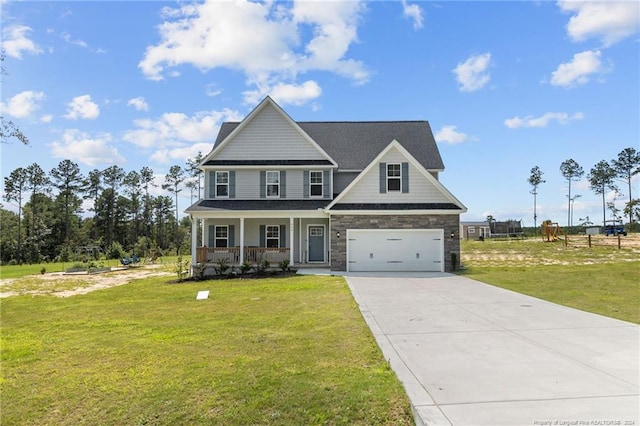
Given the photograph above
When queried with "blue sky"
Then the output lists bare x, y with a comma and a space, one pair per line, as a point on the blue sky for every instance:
505, 85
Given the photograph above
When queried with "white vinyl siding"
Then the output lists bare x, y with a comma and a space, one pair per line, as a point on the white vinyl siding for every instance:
367, 190
269, 137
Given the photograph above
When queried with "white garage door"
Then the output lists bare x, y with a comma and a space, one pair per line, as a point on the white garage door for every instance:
395, 250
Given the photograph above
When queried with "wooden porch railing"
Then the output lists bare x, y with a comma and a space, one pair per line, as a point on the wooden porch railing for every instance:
252, 255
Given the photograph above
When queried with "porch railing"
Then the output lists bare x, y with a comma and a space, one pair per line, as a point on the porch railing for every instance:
252, 255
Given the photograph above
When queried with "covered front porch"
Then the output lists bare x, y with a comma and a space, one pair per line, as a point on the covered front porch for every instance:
301, 240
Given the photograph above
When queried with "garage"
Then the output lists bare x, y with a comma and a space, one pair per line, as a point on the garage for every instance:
395, 250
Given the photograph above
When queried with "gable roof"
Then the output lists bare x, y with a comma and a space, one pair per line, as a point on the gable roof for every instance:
394, 144
354, 144
226, 137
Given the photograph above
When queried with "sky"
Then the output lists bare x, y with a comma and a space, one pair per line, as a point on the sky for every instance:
505, 86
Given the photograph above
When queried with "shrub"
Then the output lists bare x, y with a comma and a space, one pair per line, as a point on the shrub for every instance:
198, 271
284, 265
115, 251
181, 268
245, 267
223, 266
262, 267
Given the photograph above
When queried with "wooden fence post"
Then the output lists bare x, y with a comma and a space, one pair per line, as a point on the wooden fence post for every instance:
589, 240
618, 240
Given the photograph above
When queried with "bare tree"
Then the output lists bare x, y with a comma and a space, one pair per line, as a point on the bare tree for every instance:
626, 166
14, 187
600, 179
571, 170
8, 129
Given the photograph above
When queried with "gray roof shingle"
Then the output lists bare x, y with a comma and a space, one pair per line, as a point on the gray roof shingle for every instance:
354, 144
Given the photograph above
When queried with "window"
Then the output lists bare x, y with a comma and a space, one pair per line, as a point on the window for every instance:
222, 184
272, 236
273, 184
394, 177
316, 231
222, 236
315, 184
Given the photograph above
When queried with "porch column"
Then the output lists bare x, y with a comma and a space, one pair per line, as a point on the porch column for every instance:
292, 229
194, 240
241, 240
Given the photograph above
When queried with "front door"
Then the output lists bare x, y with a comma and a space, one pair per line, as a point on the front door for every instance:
316, 243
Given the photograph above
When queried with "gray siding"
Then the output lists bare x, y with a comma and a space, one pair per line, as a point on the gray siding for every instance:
269, 137
342, 179
248, 184
367, 190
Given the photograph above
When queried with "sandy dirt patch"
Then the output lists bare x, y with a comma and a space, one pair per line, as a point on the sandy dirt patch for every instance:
66, 285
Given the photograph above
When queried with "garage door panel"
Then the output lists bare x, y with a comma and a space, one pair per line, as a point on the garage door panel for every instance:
395, 250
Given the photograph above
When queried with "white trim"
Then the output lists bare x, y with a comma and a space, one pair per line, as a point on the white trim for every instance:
400, 177
321, 184
324, 242
215, 235
266, 183
266, 235
395, 144
252, 114
215, 183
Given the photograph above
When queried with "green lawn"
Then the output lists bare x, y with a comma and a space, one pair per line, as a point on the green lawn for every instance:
273, 351
16, 271
602, 280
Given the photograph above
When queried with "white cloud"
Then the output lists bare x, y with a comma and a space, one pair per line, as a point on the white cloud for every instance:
413, 12
450, 134
577, 72
178, 136
47, 118
181, 154
282, 93
611, 21
212, 90
15, 41
138, 103
82, 107
472, 74
23, 104
80, 43
214, 34
85, 148
543, 120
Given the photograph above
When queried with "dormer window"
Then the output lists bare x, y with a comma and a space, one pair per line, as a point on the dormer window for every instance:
394, 177
222, 184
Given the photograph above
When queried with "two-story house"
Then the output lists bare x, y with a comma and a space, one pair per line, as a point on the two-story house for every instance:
352, 196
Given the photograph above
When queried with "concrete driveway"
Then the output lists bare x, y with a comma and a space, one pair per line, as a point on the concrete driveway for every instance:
473, 354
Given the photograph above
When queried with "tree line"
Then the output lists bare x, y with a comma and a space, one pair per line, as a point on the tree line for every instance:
51, 224
603, 177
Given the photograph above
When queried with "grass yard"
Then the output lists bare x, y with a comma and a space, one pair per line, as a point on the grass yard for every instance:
17, 271
602, 280
273, 351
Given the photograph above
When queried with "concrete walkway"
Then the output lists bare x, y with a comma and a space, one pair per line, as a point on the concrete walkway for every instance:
473, 354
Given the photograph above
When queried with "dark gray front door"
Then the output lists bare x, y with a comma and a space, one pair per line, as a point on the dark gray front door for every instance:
316, 244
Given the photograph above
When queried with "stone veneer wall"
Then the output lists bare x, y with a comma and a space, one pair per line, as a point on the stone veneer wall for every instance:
340, 223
